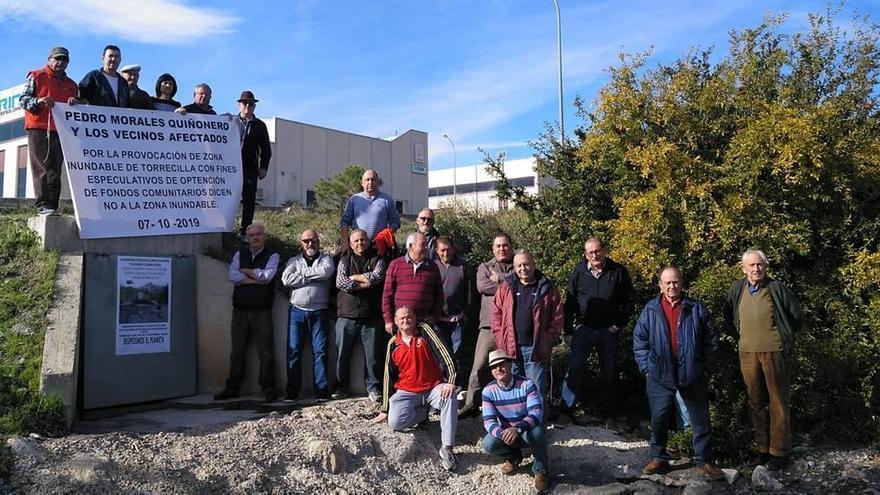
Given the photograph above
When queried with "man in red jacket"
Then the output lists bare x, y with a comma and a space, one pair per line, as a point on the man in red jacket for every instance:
527, 320
43, 88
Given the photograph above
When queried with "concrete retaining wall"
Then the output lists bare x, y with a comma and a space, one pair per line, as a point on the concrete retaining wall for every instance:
60, 368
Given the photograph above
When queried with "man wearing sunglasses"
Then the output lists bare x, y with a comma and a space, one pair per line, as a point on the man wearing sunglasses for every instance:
425, 222
308, 276
255, 154
513, 415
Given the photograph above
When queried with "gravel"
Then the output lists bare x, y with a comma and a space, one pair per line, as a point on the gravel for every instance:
332, 448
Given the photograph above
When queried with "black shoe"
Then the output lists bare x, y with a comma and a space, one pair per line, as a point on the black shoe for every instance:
467, 411
271, 395
226, 394
289, 398
322, 396
777, 463
758, 459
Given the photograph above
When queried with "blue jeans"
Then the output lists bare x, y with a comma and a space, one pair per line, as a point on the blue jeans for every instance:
349, 331
300, 324
535, 438
663, 403
534, 371
582, 343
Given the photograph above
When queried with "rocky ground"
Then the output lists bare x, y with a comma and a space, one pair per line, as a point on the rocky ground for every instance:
332, 448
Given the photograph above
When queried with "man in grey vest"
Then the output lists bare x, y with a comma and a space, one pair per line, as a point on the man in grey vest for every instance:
252, 270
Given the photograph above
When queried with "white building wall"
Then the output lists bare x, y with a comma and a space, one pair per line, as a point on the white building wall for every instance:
304, 154
464, 178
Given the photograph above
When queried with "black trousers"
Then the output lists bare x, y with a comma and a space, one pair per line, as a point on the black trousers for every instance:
248, 198
46, 162
253, 324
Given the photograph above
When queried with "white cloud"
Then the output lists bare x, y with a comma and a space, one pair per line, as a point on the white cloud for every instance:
164, 22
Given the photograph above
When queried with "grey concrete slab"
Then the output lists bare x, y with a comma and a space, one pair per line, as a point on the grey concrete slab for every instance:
60, 369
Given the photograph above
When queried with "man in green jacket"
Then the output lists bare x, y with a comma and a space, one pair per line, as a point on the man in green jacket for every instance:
765, 315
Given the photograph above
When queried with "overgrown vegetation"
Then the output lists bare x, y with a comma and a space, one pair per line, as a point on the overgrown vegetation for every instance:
26, 282
775, 146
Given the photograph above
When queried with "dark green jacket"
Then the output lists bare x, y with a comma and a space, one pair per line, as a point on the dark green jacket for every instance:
787, 312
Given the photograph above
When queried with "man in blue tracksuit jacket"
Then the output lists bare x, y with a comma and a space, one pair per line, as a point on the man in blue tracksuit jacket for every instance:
674, 346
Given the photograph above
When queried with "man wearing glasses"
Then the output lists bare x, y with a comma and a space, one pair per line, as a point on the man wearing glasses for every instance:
425, 222
252, 270
255, 154
308, 276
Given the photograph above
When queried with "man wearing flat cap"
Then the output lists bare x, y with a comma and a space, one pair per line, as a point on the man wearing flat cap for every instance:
44, 87
255, 154
513, 415
137, 98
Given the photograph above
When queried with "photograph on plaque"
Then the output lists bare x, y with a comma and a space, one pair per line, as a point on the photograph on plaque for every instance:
143, 309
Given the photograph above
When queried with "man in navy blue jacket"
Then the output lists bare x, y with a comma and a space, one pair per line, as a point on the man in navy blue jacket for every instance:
674, 346
104, 86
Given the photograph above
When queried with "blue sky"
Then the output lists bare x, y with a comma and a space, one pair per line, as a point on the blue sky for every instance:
482, 71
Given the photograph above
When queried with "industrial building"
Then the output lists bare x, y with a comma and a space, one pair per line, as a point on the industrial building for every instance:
472, 184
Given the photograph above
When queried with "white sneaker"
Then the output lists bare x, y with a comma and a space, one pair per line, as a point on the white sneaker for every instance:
375, 396
448, 458
44, 211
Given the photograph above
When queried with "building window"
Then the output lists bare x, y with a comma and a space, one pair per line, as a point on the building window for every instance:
310, 198
21, 190
12, 130
502, 204
399, 205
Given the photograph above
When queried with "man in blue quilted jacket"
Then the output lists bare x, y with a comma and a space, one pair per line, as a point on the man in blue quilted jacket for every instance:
674, 346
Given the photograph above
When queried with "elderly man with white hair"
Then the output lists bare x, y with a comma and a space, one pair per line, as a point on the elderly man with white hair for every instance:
765, 314
414, 281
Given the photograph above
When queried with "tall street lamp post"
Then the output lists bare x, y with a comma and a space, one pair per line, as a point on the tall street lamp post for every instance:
559, 52
454, 168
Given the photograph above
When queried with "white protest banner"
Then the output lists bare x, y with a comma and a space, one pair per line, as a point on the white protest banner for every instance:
142, 172
143, 305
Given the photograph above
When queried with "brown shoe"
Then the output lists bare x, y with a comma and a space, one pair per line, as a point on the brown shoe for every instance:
711, 471
508, 468
655, 466
542, 482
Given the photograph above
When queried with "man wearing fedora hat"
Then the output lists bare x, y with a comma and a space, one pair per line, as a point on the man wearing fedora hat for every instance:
255, 154
513, 415
44, 87
137, 98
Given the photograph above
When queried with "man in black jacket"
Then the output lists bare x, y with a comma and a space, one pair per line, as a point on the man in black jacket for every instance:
598, 305
252, 270
103, 86
255, 154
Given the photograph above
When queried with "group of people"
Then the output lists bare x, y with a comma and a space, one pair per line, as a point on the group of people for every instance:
115, 86
415, 307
